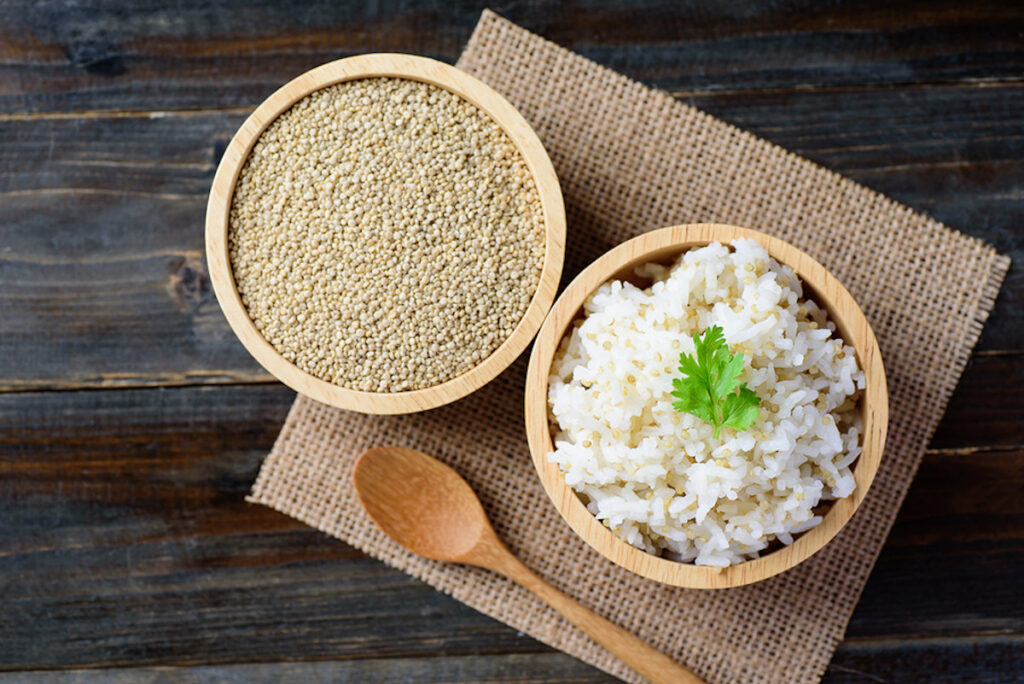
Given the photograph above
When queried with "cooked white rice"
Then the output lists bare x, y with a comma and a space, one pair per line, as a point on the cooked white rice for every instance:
657, 477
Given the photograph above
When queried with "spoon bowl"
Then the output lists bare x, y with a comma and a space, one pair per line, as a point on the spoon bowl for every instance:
449, 520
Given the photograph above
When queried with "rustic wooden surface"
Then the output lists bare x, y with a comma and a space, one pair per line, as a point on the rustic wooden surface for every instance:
132, 422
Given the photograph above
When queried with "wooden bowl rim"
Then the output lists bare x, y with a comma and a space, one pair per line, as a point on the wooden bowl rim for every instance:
842, 310
427, 71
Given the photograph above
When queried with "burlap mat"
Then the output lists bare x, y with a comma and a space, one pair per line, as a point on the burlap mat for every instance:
631, 159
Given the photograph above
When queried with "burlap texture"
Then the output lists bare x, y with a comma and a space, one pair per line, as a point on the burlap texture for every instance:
631, 159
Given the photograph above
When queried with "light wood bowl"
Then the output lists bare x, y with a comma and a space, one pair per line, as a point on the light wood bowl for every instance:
662, 246
426, 71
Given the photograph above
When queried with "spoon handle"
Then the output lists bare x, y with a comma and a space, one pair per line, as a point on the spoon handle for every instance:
640, 656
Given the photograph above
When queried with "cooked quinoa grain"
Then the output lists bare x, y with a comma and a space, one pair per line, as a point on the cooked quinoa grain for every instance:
385, 235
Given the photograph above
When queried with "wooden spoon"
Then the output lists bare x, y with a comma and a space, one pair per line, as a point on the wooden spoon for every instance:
429, 509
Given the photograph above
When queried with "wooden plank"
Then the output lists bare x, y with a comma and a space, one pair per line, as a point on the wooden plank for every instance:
103, 265
987, 408
91, 56
546, 668
992, 659
952, 562
125, 537
989, 659
126, 541
102, 276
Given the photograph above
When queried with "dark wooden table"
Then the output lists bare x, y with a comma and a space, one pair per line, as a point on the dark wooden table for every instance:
132, 423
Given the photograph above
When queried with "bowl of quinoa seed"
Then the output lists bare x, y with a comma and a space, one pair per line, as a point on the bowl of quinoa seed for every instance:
385, 234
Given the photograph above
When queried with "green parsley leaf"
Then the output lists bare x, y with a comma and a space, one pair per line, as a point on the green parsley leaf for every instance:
711, 389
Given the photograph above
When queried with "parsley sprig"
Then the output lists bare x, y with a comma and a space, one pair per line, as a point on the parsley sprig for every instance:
710, 389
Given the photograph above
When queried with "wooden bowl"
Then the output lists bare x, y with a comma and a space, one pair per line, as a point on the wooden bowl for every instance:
663, 246
426, 71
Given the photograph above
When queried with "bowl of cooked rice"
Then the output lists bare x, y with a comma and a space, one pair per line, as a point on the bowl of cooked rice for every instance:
706, 405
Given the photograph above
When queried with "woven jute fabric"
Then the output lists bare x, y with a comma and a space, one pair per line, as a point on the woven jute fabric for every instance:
631, 159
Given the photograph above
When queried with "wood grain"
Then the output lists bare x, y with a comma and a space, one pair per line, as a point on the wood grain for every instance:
959, 536
986, 410
126, 541
102, 276
516, 668
990, 659
166, 55
103, 240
